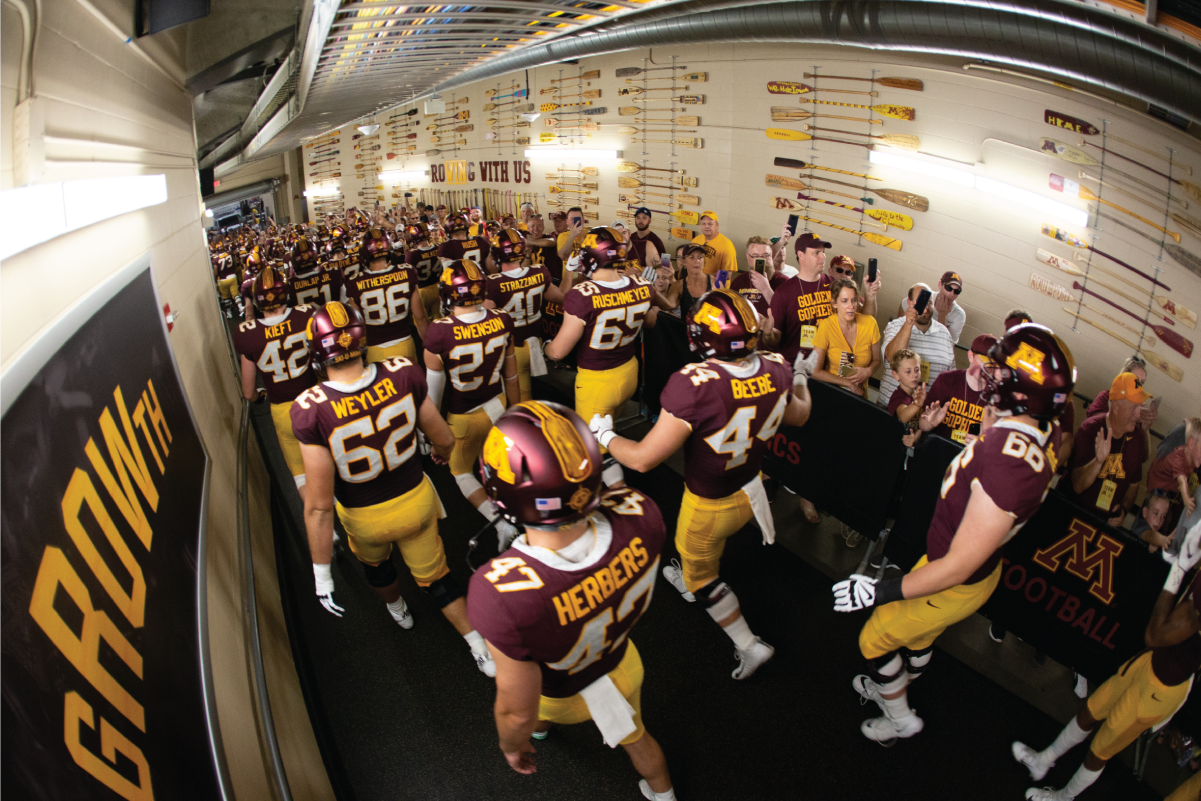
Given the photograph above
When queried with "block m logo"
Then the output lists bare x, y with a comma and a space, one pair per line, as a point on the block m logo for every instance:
1096, 566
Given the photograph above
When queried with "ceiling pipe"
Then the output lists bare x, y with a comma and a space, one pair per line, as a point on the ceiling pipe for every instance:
1071, 40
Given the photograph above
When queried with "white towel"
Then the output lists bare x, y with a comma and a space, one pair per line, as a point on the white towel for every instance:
537, 360
610, 711
494, 408
761, 509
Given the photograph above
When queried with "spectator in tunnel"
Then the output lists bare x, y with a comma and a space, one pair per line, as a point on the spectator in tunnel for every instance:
847, 342
692, 285
946, 304
906, 401
922, 334
1150, 523
646, 242
721, 254
953, 404
1173, 475
752, 279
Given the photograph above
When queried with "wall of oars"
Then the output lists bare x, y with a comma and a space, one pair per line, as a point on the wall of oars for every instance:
759, 132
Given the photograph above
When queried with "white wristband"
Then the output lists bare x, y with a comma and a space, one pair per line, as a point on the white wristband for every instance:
606, 437
323, 579
1175, 579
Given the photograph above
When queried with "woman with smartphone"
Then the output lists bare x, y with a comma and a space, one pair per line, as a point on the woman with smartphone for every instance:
847, 342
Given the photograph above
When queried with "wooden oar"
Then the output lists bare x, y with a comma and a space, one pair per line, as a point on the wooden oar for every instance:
629, 130
1191, 188
684, 216
493, 92
587, 76
878, 239
893, 218
583, 170
1187, 169
912, 84
695, 144
1187, 317
1170, 338
553, 106
1187, 260
790, 114
1116, 187
630, 91
627, 72
887, 109
1147, 338
591, 94
678, 178
685, 119
551, 90
787, 135
899, 141
685, 100
797, 164
1157, 361
781, 182
1075, 155
1077, 242
1070, 187
793, 205
794, 88
906, 199
692, 77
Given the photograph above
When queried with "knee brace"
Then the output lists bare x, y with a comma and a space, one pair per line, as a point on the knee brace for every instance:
718, 599
468, 484
916, 662
380, 575
444, 591
888, 672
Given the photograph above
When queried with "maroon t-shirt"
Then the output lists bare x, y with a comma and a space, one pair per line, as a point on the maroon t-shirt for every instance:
1122, 468
280, 352
573, 619
743, 284
1174, 664
522, 298
426, 263
318, 288
963, 403
1100, 404
797, 307
1010, 462
612, 319
899, 398
548, 256
777, 280
370, 428
732, 419
1165, 471
472, 248
473, 355
386, 300
638, 243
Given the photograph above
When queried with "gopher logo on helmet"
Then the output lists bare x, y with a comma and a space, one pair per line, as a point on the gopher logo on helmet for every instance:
496, 455
1030, 360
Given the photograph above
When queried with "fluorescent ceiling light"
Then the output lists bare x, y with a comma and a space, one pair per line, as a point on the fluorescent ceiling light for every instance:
396, 176
943, 169
35, 214
557, 152
323, 190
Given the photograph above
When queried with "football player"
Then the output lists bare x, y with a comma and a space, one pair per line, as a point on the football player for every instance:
604, 314
225, 268
462, 247
388, 298
724, 411
557, 608
276, 348
253, 265
357, 430
474, 346
1143, 694
989, 491
423, 258
521, 291
313, 282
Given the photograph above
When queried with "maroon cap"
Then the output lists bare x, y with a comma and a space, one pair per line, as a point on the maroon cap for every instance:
982, 344
951, 277
809, 240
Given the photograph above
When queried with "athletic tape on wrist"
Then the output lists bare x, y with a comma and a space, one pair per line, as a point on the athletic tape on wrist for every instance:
1175, 579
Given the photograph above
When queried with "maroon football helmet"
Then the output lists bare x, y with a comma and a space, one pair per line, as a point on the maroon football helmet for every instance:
418, 233
304, 257
508, 246
271, 290
601, 247
461, 284
456, 222
723, 324
541, 465
336, 334
1032, 362
374, 244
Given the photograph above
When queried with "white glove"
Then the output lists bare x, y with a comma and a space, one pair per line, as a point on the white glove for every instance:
324, 582
573, 263
857, 592
506, 532
602, 427
802, 368
1190, 554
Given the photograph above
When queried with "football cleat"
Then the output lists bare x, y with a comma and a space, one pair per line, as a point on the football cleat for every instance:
675, 576
750, 659
540, 735
887, 731
485, 663
1046, 794
403, 618
868, 690
1030, 758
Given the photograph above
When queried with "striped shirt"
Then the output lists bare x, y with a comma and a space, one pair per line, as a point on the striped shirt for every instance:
934, 346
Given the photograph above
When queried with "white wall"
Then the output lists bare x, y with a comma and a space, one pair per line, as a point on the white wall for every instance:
962, 115
94, 87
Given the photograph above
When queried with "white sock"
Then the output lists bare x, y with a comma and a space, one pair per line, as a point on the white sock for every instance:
670, 795
897, 708
1079, 783
740, 633
1071, 736
476, 641
397, 609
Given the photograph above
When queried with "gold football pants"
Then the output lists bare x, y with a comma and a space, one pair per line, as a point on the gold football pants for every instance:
627, 677
282, 417
605, 391
1130, 702
702, 530
410, 521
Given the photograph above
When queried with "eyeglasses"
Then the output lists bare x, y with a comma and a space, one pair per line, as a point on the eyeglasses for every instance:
841, 271
954, 290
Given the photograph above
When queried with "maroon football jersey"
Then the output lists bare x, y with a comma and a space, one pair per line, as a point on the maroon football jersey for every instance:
612, 319
547, 256
369, 427
797, 307
521, 297
426, 263
733, 418
320, 288
279, 348
963, 403
743, 284
573, 618
473, 355
385, 298
1013, 463
473, 248
1174, 664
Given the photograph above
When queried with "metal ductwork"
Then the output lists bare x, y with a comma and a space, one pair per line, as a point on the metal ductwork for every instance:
1069, 40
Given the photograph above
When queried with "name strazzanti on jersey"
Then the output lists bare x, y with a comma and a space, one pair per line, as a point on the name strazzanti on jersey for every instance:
515, 284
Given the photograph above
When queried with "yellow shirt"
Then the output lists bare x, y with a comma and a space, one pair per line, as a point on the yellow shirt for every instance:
724, 257
477, 229
830, 338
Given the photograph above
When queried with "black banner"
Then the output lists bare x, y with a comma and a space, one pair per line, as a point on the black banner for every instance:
1071, 586
102, 520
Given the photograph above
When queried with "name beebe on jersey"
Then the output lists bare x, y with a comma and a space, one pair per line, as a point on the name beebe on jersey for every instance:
755, 387
476, 330
592, 591
621, 298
